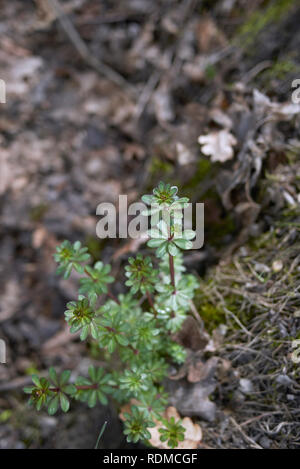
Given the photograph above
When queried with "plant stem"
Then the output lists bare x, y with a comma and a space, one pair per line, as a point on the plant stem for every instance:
135, 351
172, 271
150, 301
113, 297
83, 387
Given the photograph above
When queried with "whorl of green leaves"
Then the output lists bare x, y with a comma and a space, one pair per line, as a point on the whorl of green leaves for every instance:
141, 275
69, 256
172, 432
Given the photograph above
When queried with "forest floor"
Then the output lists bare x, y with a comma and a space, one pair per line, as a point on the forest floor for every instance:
108, 98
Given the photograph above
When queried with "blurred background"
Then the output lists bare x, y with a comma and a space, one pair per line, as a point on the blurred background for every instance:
105, 98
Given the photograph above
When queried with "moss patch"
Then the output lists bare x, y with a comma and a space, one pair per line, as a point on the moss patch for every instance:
260, 19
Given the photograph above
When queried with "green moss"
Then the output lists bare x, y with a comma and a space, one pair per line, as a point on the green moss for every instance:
203, 170
94, 350
260, 19
210, 72
292, 155
31, 370
211, 315
38, 212
219, 230
262, 241
160, 167
279, 70
5, 415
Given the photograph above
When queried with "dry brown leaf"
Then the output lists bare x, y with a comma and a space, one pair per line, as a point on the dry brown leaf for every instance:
218, 145
199, 370
220, 118
184, 154
39, 236
134, 151
279, 111
5, 171
208, 35
23, 74
195, 69
163, 105
191, 336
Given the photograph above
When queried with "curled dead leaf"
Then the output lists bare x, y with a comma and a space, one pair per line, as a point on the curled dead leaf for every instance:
209, 36
218, 145
279, 111
191, 336
199, 370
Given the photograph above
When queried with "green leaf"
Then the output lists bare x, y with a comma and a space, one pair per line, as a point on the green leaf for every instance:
53, 406
53, 376
122, 340
92, 399
163, 227
39, 404
162, 249
64, 402
102, 398
64, 378
36, 380
155, 242
183, 243
189, 234
70, 389
28, 390
147, 199
172, 249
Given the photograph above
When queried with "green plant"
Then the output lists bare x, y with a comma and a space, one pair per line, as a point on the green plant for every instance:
172, 432
134, 328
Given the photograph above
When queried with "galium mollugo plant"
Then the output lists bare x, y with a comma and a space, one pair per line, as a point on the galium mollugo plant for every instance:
136, 327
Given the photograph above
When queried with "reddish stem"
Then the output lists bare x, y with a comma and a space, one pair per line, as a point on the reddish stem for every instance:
113, 297
172, 271
135, 351
150, 301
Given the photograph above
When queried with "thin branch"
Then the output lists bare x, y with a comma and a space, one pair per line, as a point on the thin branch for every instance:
150, 301
84, 51
113, 297
247, 438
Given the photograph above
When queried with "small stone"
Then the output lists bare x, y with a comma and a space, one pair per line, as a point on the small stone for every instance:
246, 386
265, 442
48, 425
284, 380
277, 265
